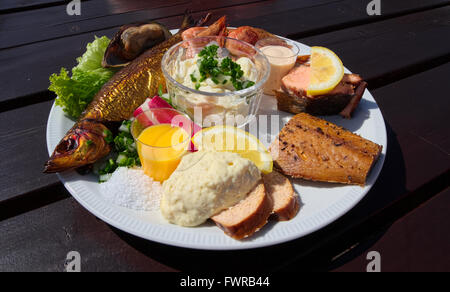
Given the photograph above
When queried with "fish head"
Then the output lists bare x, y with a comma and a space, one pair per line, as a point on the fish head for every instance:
84, 144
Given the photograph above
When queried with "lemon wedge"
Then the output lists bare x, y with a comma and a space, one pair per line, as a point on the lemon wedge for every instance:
231, 139
327, 71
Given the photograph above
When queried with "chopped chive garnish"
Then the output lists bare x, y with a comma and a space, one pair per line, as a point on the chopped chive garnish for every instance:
249, 84
124, 153
108, 136
209, 67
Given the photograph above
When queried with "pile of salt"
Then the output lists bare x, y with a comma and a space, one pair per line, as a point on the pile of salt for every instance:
131, 188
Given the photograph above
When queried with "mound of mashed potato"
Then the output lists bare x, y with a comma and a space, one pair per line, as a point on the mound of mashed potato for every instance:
206, 183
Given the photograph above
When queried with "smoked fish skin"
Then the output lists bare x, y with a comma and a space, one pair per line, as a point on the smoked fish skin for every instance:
85, 142
314, 149
129, 87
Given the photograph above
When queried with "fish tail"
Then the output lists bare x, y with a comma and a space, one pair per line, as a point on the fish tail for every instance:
203, 20
189, 21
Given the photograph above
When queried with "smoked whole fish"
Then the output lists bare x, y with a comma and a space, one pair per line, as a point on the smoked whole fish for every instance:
85, 142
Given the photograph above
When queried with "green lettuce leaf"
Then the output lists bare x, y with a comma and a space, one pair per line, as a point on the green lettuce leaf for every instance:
77, 91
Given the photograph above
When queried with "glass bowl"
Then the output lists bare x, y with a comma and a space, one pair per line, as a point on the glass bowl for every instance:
281, 62
215, 105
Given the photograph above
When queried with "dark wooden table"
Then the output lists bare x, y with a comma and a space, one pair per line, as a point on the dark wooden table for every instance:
404, 54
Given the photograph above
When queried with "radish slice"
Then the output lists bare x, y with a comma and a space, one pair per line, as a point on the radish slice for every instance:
143, 107
146, 119
149, 103
158, 102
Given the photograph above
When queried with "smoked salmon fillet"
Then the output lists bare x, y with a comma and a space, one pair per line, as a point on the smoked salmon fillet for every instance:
314, 149
343, 99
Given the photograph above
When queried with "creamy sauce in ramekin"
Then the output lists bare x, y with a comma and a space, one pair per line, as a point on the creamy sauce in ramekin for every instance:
282, 60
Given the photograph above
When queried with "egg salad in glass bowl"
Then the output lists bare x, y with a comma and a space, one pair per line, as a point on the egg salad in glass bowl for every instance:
216, 80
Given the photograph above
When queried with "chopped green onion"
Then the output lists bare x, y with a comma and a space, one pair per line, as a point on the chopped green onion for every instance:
130, 162
132, 147
209, 67
121, 159
108, 136
124, 128
124, 154
249, 84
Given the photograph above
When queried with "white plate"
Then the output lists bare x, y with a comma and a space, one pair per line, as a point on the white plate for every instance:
322, 203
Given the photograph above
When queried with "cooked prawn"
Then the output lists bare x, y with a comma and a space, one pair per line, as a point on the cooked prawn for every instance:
249, 35
192, 33
213, 30
245, 33
218, 29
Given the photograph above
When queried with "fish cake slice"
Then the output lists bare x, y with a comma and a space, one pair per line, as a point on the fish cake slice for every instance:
248, 216
286, 203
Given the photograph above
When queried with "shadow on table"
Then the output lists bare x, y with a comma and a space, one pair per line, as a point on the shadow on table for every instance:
315, 252
361, 114
363, 247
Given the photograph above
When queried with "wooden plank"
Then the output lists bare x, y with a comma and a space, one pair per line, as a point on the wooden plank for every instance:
20, 29
40, 241
24, 86
416, 243
23, 151
295, 23
389, 50
53, 22
10, 6
414, 108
